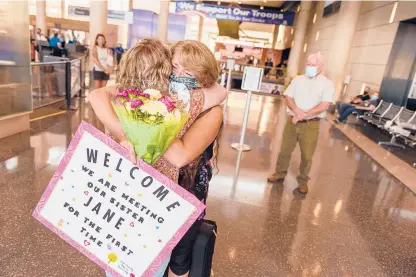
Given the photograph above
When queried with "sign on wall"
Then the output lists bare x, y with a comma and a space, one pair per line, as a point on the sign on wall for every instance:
126, 218
85, 11
236, 13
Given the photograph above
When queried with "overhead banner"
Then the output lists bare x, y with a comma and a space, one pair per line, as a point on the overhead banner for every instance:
236, 13
126, 218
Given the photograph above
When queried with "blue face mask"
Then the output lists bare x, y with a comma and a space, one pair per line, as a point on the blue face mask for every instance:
374, 97
189, 82
311, 71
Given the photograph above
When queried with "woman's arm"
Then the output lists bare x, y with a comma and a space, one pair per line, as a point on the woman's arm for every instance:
214, 96
100, 102
95, 59
198, 137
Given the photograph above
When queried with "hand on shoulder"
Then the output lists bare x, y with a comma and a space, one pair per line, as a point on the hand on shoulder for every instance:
214, 96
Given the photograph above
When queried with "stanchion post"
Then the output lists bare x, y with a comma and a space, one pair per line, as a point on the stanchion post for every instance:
241, 146
228, 88
68, 84
252, 78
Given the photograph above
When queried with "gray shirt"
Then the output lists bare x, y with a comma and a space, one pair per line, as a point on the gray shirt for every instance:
309, 92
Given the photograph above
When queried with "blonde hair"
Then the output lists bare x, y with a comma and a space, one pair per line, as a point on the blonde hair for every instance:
145, 65
196, 57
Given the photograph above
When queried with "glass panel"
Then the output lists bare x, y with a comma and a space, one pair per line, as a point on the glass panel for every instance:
15, 80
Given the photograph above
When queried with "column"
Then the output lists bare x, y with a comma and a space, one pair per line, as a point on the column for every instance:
163, 21
98, 20
275, 33
200, 28
341, 43
299, 37
41, 16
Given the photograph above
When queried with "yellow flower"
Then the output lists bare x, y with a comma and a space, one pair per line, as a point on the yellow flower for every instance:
154, 93
154, 107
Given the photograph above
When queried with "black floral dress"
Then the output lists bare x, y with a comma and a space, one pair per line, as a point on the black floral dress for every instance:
196, 176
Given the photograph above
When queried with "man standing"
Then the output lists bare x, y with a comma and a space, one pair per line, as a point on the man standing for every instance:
307, 98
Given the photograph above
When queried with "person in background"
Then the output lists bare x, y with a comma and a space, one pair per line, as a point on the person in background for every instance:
250, 60
62, 39
40, 35
33, 45
307, 98
276, 91
268, 63
119, 52
355, 100
361, 108
53, 42
101, 56
281, 68
59, 51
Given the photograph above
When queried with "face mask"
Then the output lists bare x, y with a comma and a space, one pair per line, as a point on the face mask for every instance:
189, 82
374, 97
311, 71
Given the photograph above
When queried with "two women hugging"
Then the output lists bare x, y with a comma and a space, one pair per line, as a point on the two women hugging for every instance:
173, 91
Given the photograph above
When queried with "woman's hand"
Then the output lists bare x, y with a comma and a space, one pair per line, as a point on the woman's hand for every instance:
129, 146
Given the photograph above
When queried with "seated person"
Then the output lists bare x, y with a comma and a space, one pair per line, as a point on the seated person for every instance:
368, 105
356, 100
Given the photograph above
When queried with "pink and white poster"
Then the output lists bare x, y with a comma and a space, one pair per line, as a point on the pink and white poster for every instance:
126, 218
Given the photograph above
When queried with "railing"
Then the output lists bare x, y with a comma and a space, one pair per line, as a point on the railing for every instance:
272, 72
57, 79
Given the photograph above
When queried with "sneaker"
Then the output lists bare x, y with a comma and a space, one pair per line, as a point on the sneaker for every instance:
303, 188
276, 177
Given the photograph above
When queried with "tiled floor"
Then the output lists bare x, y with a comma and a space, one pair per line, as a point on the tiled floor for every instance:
357, 220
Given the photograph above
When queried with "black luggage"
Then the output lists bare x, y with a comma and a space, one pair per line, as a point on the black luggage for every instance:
203, 250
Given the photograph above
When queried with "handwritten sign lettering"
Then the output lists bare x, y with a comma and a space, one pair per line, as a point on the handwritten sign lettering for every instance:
126, 218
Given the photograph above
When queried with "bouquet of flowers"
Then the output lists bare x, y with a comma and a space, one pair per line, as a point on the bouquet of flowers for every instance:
150, 120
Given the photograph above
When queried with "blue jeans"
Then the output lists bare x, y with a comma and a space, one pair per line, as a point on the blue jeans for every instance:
341, 107
159, 272
347, 113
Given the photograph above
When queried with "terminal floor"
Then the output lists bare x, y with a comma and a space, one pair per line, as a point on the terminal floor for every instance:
357, 220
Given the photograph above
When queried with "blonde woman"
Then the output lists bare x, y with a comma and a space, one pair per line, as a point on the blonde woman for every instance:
153, 71
103, 62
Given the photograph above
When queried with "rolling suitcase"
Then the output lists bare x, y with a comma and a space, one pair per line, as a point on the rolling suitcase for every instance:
203, 250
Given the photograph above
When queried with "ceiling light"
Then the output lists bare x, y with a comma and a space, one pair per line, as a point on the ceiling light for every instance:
239, 2
264, 1
219, 2
262, 8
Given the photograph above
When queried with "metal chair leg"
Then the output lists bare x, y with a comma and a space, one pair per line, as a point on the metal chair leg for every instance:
392, 142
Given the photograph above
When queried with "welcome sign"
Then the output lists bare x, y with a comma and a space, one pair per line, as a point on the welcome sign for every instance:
236, 13
126, 218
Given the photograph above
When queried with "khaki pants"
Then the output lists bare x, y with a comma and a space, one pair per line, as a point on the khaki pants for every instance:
306, 133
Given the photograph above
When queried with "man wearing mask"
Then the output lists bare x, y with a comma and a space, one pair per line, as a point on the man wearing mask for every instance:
307, 98
368, 105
